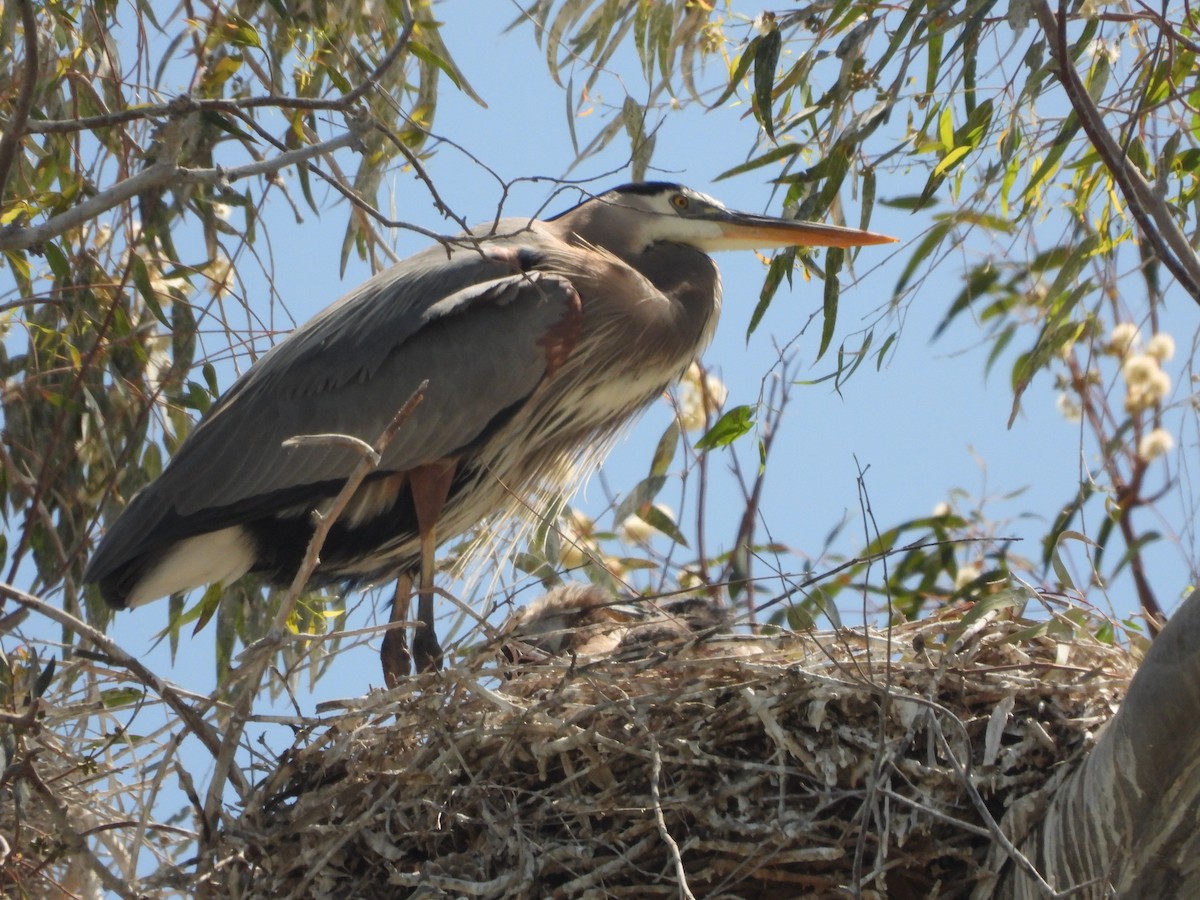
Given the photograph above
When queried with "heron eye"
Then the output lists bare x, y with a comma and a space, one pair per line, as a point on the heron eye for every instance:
679, 201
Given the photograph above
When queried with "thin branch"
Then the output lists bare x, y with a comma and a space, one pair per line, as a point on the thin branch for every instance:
1149, 211
188, 714
163, 174
14, 129
188, 104
256, 657
685, 892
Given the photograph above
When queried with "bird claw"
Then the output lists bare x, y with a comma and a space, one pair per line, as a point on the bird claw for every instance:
394, 655
427, 651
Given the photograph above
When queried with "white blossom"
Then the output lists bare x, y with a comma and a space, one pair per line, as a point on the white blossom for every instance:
1147, 383
1139, 369
701, 395
966, 574
1124, 336
636, 530
1068, 407
1161, 346
1154, 444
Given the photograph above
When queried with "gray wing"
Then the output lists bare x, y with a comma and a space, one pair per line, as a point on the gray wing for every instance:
467, 324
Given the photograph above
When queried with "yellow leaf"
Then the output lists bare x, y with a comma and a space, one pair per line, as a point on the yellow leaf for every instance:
946, 129
951, 159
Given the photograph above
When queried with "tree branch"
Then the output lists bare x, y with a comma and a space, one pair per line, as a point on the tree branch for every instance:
1154, 220
255, 658
188, 714
14, 129
163, 174
187, 104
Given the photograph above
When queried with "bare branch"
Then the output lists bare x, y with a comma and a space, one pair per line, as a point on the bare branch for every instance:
257, 656
164, 174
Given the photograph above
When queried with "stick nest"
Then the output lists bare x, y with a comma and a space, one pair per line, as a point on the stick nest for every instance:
772, 767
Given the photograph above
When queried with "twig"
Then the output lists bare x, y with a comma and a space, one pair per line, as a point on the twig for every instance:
255, 658
14, 130
656, 798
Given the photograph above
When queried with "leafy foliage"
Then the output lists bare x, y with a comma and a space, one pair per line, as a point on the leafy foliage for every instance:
129, 210
1048, 156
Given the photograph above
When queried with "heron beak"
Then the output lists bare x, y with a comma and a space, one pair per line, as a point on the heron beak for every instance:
746, 231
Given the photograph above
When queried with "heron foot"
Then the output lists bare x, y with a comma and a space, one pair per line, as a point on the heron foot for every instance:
394, 655
427, 651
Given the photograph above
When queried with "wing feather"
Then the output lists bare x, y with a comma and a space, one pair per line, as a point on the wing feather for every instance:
466, 323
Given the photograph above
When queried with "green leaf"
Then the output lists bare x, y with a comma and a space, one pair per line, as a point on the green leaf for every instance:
664, 453
57, 261
946, 128
784, 151
640, 498
739, 71
834, 258
340, 81
115, 698
731, 426
207, 606
433, 51
242, 33
951, 159
781, 266
881, 353
661, 522
765, 62
141, 280
21, 269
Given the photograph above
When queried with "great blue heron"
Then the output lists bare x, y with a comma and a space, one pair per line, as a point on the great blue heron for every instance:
539, 340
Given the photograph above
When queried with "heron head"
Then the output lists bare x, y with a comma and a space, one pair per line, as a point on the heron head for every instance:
630, 218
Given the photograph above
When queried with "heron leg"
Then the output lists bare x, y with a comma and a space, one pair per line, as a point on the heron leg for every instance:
426, 648
394, 655
430, 488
